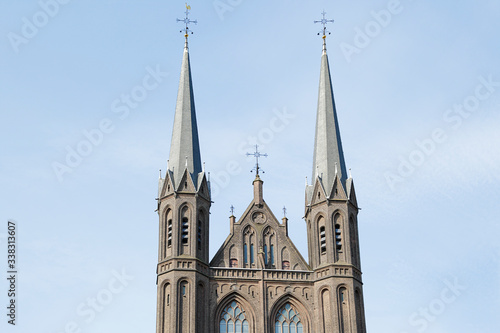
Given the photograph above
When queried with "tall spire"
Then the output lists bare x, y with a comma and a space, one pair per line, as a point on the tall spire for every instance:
185, 146
328, 161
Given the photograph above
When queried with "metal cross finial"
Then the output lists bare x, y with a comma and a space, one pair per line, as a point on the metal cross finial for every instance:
324, 21
257, 154
284, 211
232, 210
187, 21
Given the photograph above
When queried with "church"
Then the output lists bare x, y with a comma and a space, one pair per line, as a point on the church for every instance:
258, 282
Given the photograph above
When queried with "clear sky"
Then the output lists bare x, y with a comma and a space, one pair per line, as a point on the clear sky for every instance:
417, 88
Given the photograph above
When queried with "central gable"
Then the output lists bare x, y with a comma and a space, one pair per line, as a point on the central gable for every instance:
259, 241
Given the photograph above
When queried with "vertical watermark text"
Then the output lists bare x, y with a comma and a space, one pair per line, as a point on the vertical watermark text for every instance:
12, 272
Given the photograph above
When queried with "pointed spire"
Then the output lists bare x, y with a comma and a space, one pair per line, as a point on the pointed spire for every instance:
185, 147
328, 154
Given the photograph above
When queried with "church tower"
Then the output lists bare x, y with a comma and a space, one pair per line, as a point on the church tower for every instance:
183, 208
331, 215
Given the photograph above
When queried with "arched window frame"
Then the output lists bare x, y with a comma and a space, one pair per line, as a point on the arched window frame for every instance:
201, 232
233, 319
339, 235
167, 233
185, 222
269, 238
243, 303
245, 254
249, 239
299, 308
343, 299
323, 239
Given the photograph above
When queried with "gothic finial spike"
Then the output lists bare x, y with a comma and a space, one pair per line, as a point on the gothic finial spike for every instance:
350, 174
203, 167
257, 154
160, 173
306, 181
336, 170
232, 210
186, 161
168, 161
284, 211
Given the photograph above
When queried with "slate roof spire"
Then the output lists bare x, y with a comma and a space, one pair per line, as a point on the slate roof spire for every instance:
185, 146
328, 160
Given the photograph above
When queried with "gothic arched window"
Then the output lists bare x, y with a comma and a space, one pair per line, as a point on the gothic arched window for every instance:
185, 226
185, 230
233, 320
245, 253
288, 320
269, 242
322, 235
248, 247
200, 229
265, 254
252, 259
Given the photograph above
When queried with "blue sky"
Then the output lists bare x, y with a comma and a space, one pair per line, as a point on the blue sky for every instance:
417, 88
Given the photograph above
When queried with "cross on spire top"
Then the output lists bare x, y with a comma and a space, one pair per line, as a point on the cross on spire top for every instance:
324, 21
186, 21
257, 154
232, 210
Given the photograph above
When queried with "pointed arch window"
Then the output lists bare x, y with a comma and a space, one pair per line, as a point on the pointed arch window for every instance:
245, 253
322, 237
269, 237
252, 258
169, 233
271, 254
249, 247
199, 233
338, 237
233, 319
288, 320
265, 254
321, 225
168, 229
184, 236
185, 230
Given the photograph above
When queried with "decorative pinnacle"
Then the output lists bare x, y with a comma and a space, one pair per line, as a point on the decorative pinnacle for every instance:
257, 154
284, 211
232, 210
186, 21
